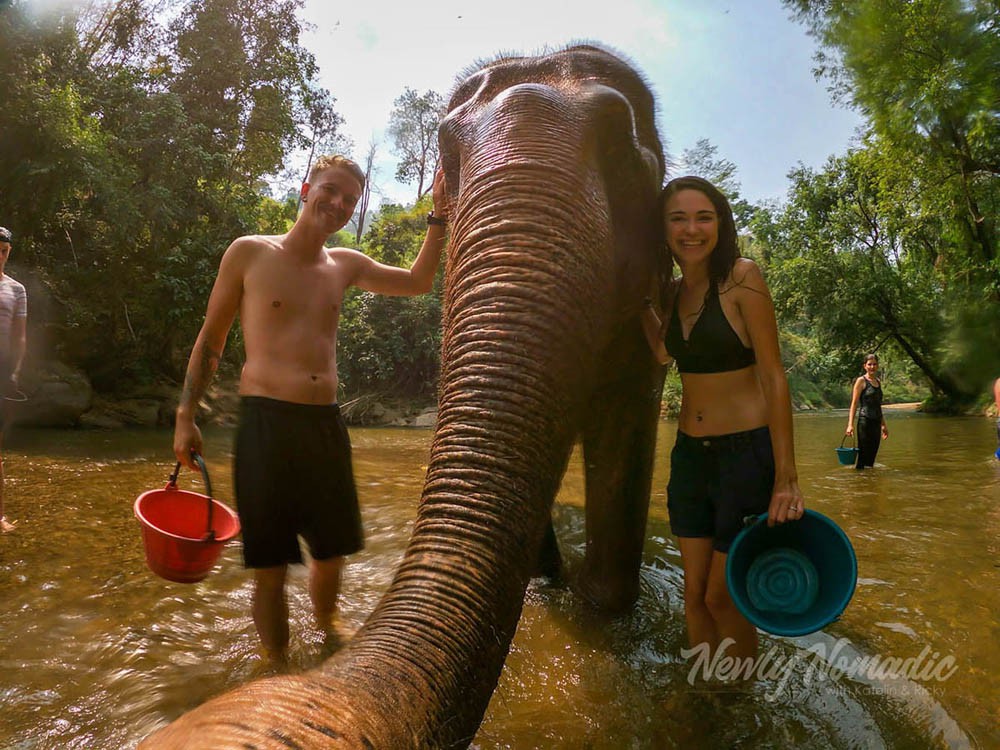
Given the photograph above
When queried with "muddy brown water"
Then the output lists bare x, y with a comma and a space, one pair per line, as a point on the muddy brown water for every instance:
96, 652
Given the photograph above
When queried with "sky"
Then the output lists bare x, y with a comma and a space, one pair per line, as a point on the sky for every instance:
737, 72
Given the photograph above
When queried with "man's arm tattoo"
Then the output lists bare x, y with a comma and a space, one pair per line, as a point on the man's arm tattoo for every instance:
198, 377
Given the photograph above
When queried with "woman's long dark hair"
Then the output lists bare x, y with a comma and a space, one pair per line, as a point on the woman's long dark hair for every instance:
727, 250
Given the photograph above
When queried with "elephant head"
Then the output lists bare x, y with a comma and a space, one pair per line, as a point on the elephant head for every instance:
554, 165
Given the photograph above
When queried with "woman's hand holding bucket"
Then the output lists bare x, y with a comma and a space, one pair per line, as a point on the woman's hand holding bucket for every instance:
786, 502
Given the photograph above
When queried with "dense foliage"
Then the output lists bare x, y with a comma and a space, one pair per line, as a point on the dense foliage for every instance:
893, 246
139, 137
133, 153
390, 345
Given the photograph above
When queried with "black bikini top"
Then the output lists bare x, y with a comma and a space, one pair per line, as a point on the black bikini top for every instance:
712, 345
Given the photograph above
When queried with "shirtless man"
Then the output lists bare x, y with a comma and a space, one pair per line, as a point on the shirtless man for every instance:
13, 319
292, 468
996, 400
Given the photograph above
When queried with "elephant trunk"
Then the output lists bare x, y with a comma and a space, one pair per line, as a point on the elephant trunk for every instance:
513, 377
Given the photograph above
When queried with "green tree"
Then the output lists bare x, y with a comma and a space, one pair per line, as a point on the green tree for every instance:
131, 160
324, 135
241, 72
413, 126
847, 266
926, 73
704, 161
366, 194
392, 344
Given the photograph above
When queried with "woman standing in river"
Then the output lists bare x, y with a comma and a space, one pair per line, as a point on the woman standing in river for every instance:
996, 399
871, 423
734, 453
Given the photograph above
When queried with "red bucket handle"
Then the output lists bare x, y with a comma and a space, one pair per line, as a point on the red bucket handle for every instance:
172, 485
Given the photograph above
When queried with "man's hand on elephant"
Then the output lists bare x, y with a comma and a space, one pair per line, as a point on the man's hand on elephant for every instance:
439, 192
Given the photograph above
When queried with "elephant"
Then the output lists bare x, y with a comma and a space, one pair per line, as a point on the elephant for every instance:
553, 165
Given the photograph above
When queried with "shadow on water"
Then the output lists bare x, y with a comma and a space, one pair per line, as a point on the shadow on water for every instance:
96, 652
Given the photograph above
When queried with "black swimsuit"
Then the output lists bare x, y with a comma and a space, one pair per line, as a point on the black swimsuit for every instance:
712, 345
869, 424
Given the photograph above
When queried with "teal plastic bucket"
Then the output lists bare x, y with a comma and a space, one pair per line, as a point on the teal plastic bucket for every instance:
849, 455
793, 578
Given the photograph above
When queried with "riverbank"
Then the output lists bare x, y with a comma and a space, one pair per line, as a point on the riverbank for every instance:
53, 395
156, 407
910, 406
221, 404
64, 398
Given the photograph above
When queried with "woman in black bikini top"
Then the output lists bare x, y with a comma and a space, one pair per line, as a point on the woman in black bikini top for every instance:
733, 455
712, 345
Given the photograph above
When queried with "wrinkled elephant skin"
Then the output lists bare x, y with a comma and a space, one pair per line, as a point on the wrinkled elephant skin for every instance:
554, 167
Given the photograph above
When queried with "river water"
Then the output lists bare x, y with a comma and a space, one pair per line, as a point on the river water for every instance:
96, 652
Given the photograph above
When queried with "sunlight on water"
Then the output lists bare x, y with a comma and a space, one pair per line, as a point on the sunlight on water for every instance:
96, 652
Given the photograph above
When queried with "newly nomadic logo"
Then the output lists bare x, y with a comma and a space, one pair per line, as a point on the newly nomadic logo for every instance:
818, 663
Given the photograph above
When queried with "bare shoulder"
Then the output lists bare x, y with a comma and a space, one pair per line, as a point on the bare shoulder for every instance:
351, 261
259, 242
346, 254
747, 273
251, 246
746, 282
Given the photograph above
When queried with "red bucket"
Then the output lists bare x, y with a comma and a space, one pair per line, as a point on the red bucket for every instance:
184, 532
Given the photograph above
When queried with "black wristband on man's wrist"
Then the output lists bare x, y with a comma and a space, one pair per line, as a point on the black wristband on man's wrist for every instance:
436, 221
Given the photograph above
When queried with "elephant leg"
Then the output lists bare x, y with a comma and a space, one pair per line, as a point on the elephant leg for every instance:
549, 560
619, 440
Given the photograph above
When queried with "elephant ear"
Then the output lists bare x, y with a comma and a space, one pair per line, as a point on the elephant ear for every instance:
632, 172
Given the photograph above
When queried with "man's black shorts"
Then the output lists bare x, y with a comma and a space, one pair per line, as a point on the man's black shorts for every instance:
716, 481
293, 476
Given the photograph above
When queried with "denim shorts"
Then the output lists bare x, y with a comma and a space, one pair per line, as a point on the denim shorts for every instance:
716, 481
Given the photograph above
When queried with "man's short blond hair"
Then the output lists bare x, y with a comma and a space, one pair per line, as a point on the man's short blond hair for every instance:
327, 161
